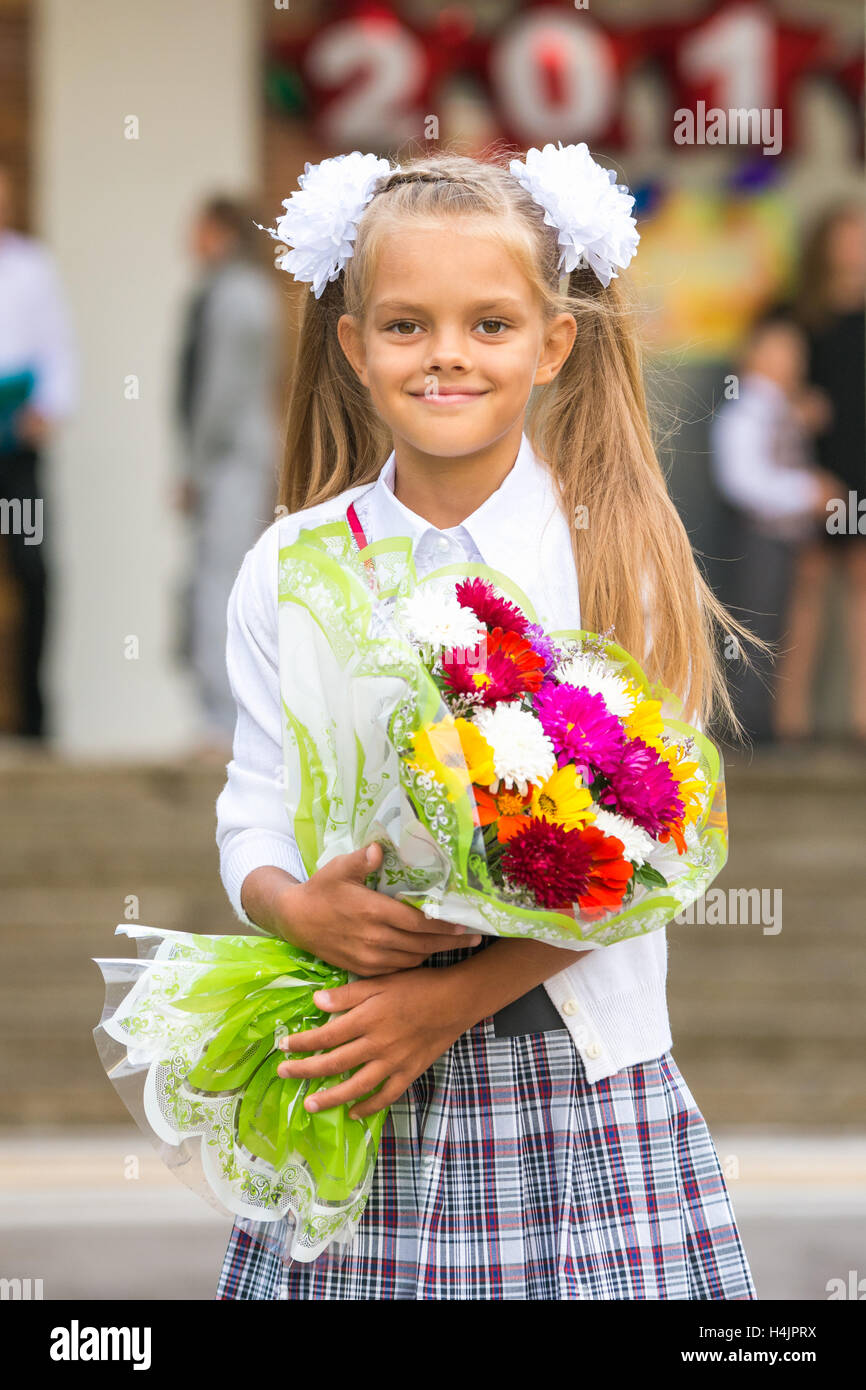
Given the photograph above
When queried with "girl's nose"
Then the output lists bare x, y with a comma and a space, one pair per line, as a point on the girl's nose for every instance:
447, 351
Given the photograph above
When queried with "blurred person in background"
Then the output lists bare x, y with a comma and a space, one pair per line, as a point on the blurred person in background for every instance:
37, 392
226, 410
831, 309
763, 466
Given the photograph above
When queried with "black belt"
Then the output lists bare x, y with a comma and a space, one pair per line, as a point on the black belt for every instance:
531, 1013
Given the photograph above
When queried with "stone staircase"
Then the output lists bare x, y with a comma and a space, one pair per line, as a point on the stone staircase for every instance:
768, 1028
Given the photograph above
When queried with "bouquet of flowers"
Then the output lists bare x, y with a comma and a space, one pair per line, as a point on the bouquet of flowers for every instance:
521, 782
578, 781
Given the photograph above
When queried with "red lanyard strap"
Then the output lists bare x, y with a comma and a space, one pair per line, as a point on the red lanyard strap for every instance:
360, 540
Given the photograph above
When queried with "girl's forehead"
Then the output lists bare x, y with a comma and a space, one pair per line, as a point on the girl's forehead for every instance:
443, 256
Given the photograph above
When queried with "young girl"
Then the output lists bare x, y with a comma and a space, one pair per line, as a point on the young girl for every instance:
541, 1142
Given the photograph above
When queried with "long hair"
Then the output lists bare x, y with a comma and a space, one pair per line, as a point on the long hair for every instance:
813, 306
636, 570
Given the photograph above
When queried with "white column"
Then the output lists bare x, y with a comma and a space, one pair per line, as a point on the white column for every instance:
115, 212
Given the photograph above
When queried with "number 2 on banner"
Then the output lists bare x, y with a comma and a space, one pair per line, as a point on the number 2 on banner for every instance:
391, 64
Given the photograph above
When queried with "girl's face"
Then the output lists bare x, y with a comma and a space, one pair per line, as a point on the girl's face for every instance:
453, 340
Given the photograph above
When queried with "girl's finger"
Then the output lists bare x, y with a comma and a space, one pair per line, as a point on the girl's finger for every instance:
331, 1034
391, 1091
342, 997
327, 1063
347, 1091
405, 917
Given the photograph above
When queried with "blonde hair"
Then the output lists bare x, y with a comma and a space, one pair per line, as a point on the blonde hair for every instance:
590, 425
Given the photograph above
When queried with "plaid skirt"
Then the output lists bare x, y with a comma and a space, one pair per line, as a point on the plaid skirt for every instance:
503, 1173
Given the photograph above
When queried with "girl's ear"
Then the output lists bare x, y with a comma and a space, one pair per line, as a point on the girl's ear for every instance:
352, 342
559, 337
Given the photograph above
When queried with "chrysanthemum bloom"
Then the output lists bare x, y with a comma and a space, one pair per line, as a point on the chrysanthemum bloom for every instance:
637, 845
581, 728
564, 799
435, 619
643, 789
511, 669
561, 867
593, 672
522, 752
548, 860
487, 605
507, 807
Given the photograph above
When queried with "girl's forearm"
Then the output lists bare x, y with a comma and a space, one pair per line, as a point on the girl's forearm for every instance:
490, 979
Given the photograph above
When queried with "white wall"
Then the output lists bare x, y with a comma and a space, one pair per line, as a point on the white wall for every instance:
115, 213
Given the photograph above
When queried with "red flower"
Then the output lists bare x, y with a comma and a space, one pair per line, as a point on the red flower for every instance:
511, 669
561, 867
609, 877
480, 596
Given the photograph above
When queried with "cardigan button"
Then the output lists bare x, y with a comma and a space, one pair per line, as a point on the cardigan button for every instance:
571, 1007
593, 1050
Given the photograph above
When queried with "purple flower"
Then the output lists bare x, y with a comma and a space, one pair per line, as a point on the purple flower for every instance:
543, 645
581, 728
643, 789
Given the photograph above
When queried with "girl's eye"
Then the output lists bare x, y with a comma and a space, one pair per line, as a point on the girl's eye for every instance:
402, 323
499, 322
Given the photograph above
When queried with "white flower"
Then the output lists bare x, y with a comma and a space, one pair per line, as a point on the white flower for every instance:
583, 200
597, 677
321, 220
435, 618
522, 752
638, 845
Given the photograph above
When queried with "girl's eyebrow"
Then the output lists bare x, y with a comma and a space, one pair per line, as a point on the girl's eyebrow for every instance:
403, 306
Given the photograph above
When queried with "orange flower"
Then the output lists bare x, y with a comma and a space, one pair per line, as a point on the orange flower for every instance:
507, 807
675, 833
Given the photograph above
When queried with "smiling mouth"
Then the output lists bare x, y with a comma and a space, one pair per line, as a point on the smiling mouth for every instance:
454, 397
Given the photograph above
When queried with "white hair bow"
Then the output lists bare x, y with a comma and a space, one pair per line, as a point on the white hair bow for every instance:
583, 200
321, 218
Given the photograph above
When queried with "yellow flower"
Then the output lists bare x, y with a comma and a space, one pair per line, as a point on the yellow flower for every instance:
564, 799
456, 753
477, 752
692, 789
437, 751
645, 722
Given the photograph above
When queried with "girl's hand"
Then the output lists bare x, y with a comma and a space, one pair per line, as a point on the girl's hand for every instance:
336, 917
392, 1027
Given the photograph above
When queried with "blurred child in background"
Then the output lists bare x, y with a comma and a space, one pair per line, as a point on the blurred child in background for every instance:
831, 310
763, 466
